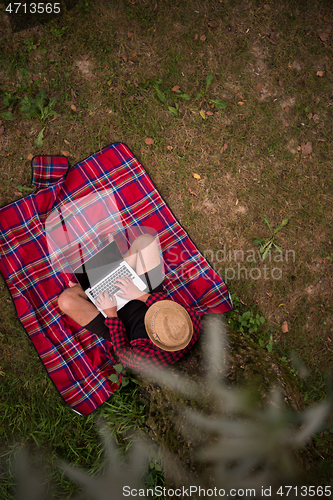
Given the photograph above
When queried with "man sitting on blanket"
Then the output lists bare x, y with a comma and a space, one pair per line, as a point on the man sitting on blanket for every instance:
151, 330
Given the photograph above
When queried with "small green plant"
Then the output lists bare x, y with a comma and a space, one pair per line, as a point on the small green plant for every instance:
218, 103
266, 244
125, 378
9, 100
330, 257
30, 45
25, 189
42, 108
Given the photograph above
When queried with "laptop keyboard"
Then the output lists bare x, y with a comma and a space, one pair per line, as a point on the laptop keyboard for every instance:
108, 282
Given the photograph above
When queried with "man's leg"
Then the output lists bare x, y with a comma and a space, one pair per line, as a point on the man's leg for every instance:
143, 254
74, 302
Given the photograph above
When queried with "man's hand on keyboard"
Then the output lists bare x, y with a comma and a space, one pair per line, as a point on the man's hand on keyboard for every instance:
108, 303
129, 291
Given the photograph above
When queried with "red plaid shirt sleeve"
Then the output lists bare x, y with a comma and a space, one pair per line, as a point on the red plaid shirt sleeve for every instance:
142, 354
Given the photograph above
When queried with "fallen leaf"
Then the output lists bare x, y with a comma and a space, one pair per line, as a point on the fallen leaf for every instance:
30, 157
18, 132
286, 124
212, 25
209, 113
284, 327
240, 95
299, 148
125, 58
325, 16
149, 141
73, 94
2, 129
66, 142
241, 103
131, 97
196, 36
236, 202
17, 193
203, 38
192, 192
131, 62
224, 147
196, 176
270, 40
202, 114
307, 148
201, 54
73, 107
320, 73
281, 81
129, 34
323, 36
85, 57
259, 87
175, 88
66, 153
310, 115
170, 148
316, 117
287, 109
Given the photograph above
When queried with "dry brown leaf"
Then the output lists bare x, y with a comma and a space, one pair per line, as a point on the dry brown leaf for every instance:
130, 62
310, 115
196, 176
30, 157
320, 73
196, 36
299, 148
270, 40
192, 192
307, 148
201, 54
170, 148
149, 141
131, 97
286, 124
259, 87
17, 193
73, 94
175, 88
202, 114
129, 34
323, 36
325, 16
2, 129
212, 25
66, 142
241, 103
18, 132
209, 113
224, 147
284, 327
203, 38
66, 153
125, 58
73, 107
240, 95
85, 57
281, 81
287, 109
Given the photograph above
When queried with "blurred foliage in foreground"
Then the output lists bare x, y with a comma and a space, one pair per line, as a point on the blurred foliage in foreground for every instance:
245, 447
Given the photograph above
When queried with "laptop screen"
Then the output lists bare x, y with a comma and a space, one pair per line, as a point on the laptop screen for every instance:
98, 266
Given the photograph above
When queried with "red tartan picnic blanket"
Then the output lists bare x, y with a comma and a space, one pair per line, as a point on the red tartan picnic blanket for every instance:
78, 362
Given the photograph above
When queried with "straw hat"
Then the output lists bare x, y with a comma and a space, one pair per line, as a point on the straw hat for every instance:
168, 325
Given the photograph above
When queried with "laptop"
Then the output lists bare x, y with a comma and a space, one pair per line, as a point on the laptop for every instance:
98, 274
